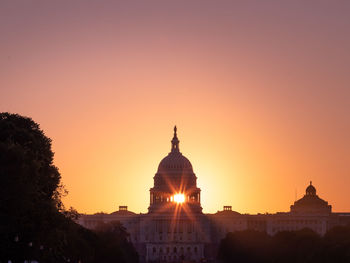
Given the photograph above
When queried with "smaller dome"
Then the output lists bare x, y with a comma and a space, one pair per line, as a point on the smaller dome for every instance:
310, 190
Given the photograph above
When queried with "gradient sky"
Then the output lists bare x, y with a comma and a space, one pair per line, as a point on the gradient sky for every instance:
259, 90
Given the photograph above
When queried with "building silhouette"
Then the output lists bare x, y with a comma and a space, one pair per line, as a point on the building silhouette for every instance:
175, 229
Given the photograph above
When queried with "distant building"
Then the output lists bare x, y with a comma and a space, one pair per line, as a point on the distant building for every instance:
176, 230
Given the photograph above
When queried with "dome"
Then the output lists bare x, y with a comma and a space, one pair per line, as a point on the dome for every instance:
175, 170
311, 203
175, 162
310, 190
175, 176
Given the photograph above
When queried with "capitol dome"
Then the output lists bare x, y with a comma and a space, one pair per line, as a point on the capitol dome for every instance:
175, 169
174, 178
175, 162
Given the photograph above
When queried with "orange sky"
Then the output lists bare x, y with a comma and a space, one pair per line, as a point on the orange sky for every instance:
259, 91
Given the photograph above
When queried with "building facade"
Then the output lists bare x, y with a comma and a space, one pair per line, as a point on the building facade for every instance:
176, 230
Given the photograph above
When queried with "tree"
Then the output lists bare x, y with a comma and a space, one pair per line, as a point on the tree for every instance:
244, 247
34, 223
30, 182
337, 244
114, 245
304, 246
297, 246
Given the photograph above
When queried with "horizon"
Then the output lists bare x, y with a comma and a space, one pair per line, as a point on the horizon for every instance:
259, 93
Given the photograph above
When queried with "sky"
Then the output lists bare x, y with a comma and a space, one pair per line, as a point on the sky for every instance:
259, 91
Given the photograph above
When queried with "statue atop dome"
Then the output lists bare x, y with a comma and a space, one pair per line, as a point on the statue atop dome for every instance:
175, 142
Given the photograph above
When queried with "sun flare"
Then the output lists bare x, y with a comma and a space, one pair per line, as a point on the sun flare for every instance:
179, 198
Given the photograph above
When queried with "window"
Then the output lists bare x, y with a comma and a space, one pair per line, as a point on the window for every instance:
189, 227
154, 250
181, 226
160, 226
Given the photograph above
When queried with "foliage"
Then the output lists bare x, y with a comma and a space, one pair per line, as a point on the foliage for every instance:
244, 247
287, 246
34, 222
113, 243
29, 199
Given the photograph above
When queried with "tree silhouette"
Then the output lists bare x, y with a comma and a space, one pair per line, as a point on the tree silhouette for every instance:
302, 246
34, 223
29, 196
114, 244
245, 247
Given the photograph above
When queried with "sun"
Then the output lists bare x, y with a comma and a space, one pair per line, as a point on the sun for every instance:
179, 198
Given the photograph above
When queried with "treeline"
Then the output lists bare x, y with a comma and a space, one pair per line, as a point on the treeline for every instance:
70, 242
304, 246
34, 224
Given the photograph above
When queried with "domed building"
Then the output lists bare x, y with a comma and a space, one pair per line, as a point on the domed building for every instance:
175, 183
311, 203
176, 230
